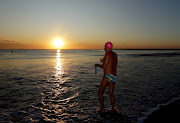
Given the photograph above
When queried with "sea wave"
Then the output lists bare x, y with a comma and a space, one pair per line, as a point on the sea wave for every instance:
160, 108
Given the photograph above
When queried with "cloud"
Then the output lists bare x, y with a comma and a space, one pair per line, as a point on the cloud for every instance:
9, 44
3, 40
12, 44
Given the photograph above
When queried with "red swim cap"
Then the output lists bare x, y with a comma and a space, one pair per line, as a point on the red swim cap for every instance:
109, 45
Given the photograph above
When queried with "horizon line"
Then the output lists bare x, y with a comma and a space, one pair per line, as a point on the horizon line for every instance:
96, 49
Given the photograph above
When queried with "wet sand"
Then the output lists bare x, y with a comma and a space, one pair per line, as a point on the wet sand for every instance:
168, 114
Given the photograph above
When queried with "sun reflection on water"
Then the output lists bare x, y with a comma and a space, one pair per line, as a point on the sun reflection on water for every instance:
59, 69
60, 95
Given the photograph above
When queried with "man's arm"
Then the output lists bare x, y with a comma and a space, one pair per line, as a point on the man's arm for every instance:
105, 61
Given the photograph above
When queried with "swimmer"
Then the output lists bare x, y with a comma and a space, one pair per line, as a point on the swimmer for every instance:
109, 64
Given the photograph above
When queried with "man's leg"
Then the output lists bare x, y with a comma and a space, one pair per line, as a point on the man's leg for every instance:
104, 83
111, 94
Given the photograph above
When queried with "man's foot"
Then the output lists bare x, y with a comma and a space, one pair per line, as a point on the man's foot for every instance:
114, 110
101, 111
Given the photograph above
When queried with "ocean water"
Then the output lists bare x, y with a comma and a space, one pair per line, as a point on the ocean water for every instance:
61, 86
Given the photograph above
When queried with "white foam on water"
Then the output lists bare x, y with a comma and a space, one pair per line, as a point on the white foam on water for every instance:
150, 111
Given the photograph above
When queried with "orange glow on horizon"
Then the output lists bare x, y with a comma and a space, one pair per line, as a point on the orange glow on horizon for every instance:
60, 43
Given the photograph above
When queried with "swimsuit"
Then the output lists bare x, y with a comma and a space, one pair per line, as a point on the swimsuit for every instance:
110, 77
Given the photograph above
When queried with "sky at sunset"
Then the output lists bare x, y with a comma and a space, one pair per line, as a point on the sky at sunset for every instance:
89, 24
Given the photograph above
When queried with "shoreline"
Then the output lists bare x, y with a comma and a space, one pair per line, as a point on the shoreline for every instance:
164, 113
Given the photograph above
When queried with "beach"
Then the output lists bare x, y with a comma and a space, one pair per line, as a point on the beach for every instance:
167, 113
61, 86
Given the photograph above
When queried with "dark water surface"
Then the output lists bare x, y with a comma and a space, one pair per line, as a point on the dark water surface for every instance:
51, 86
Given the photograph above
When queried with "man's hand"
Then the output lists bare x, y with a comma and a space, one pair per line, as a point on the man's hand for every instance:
101, 60
96, 65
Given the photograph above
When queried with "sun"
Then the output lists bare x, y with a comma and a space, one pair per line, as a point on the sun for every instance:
58, 43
